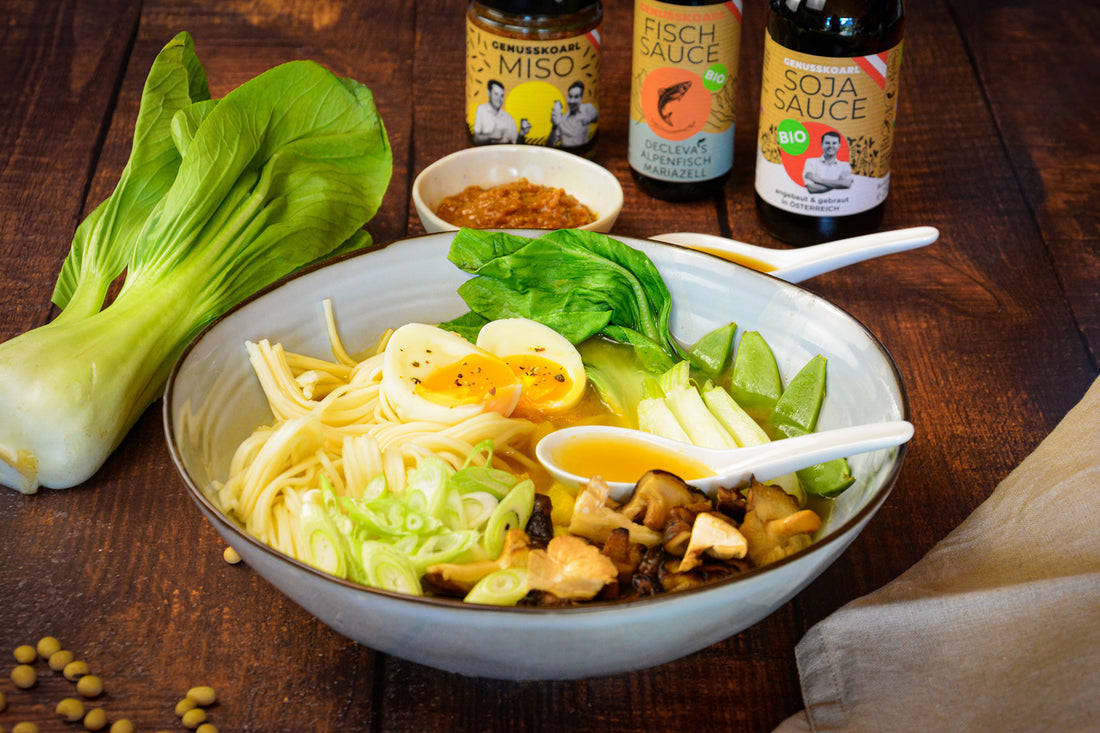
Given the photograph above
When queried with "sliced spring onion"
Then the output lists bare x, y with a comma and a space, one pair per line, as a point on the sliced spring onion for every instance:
482, 478
387, 541
425, 491
513, 511
379, 517
500, 588
477, 507
484, 448
387, 568
324, 542
443, 547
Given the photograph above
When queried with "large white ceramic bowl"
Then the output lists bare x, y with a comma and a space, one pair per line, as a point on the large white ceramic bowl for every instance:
213, 401
491, 165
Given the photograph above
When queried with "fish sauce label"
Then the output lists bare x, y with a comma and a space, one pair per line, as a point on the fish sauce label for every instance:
683, 89
826, 129
533, 91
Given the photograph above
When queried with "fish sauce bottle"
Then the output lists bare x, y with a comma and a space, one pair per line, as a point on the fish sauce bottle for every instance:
682, 93
828, 100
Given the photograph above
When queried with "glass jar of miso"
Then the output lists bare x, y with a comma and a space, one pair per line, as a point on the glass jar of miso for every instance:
533, 73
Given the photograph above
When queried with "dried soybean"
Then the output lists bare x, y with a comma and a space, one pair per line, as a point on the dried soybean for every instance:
24, 676
70, 709
204, 695
89, 686
73, 671
96, 719
193, 718
185, 705
60, 658
48, 646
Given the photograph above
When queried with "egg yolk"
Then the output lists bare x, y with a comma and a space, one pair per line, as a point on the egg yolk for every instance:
475, 379
545, 383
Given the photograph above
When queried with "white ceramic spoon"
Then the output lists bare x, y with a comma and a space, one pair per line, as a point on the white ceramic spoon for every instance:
730, 466
796, 265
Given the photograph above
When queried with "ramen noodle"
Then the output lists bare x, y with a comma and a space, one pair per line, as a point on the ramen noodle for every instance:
332, 419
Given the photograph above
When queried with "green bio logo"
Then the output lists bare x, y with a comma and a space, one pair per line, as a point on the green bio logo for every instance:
714, 77
792, 137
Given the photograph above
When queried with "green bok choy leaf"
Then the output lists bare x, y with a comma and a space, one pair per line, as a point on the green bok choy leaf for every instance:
577, 282
219, 199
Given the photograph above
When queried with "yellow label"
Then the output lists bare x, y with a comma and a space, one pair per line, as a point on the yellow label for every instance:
685, 67
540, 92
684, 89
826, 130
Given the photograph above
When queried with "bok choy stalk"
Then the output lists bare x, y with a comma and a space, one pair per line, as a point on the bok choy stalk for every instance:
218, 199
675, 407
685, 402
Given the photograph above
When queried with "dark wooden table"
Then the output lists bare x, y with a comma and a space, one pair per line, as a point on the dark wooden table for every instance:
996, 329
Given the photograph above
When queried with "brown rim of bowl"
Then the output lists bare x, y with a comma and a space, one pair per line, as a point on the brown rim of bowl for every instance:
200, 498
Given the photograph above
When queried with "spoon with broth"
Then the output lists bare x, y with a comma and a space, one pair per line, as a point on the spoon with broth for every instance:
796, 265
620, 456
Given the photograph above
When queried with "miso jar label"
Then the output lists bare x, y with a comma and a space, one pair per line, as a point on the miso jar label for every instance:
684, 86
539, 92
826, 129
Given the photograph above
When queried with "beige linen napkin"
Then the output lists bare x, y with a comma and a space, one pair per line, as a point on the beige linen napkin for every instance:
997, 628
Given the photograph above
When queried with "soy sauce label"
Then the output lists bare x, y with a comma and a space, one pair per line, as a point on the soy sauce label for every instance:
683, 89
524, 90
826, 130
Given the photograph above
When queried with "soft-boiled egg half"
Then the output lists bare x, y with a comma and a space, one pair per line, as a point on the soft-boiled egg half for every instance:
548, 366
517, 365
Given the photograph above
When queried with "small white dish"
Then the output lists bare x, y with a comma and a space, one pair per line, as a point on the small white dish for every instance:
492, 165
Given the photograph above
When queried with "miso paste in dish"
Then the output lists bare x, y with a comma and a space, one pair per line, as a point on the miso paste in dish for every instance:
516, 205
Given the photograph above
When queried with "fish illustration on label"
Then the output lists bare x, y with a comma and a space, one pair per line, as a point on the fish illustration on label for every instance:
667, 96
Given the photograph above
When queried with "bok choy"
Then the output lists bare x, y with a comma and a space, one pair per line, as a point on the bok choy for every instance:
577, 282
219, 198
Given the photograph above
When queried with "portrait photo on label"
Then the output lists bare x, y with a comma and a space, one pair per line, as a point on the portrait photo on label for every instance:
815, 156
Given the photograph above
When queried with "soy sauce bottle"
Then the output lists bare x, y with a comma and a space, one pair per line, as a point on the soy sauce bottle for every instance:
682, 94
827, 107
